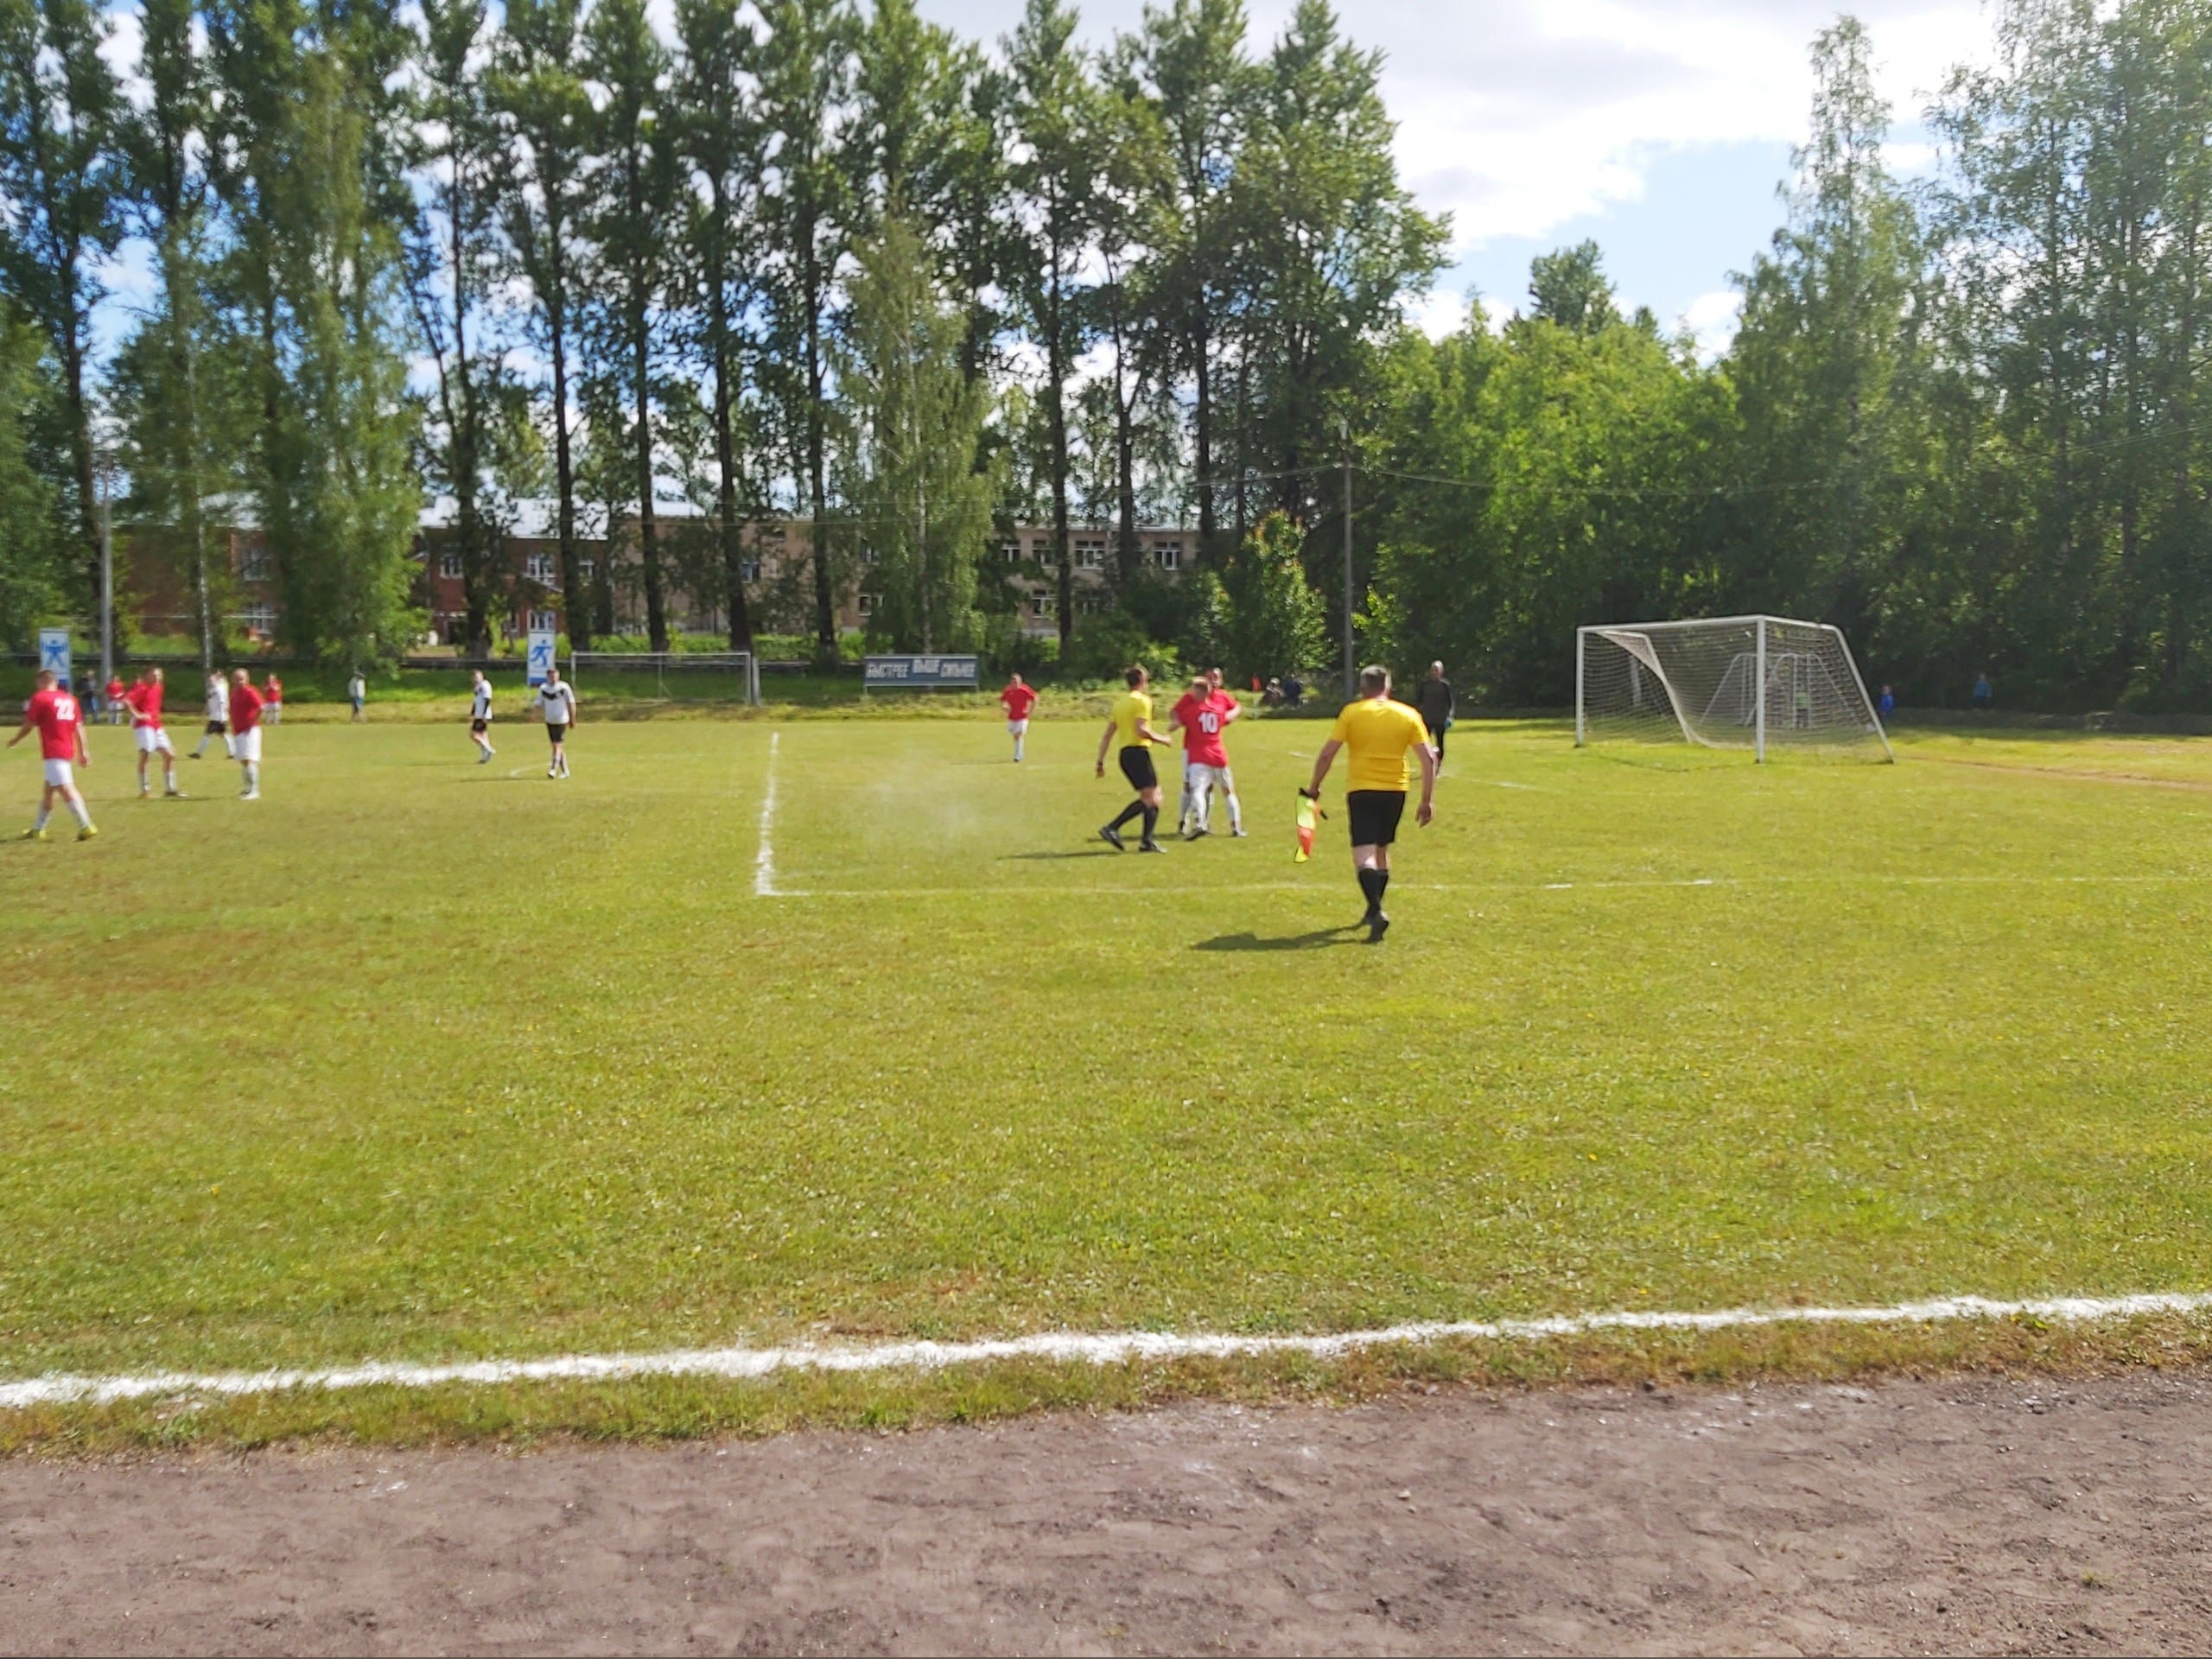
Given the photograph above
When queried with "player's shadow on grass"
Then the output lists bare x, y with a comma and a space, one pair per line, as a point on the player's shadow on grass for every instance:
1086, 852
1318, 940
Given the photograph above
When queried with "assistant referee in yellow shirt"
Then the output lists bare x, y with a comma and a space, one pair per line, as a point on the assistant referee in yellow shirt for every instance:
1378, 732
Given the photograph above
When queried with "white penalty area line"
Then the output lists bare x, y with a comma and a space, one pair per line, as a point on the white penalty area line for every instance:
1063, 1347
764, 864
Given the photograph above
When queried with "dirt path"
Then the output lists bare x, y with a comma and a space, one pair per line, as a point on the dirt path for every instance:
1970, 1516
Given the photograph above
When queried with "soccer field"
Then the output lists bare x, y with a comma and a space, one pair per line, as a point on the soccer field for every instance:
758, 1031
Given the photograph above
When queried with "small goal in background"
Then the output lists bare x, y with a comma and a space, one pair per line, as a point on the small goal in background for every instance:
1750, 683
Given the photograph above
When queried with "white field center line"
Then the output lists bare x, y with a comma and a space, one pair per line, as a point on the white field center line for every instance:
1068, 1347
764, 866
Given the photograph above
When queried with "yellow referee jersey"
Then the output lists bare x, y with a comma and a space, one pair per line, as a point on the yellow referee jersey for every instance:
1377, 731
1130, 709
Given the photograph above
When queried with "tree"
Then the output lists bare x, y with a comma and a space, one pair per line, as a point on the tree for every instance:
910, 423
538, 87
61, 178
454, 259
1054, 121
805, 79
30, 541
719, 138
1569, 287
1190, 57
307, 163
1265, 619
632, 217
177, 382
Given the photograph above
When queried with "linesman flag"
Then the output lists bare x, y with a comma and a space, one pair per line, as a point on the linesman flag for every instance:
1309, 819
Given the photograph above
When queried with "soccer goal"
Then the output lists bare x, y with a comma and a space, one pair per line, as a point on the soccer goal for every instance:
1728, 682
704, 675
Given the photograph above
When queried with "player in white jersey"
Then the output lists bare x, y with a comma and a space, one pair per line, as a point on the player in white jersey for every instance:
479, 716
219, 718
555, 702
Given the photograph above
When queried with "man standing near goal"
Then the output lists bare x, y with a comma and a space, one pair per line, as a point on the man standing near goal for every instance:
246, 731
60, 721
1377, 732
1017, 700
1131, 723
479, 716
555, 702
218, 715
1433, 698
146, 733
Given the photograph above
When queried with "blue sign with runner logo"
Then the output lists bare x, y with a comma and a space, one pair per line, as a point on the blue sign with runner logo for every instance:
53, 652
541, 655
915, 673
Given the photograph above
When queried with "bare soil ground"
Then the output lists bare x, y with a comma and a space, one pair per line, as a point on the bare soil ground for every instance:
1959, 1515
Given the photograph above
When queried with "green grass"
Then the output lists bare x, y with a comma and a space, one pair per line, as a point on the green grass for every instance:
418, 1059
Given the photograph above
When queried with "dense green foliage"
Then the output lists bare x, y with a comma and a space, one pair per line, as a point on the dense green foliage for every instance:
1170, 276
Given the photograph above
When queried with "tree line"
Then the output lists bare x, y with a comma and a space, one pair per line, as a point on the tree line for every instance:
800, 258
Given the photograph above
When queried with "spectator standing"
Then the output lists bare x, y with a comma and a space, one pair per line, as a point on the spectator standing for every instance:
1889, 705
357, 693
1294, 688
1433, 701
1981, 690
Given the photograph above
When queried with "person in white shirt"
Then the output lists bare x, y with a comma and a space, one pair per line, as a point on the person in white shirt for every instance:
357, 693
479, 716
555, 702
219, 718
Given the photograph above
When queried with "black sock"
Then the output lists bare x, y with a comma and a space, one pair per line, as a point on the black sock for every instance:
1370, 883
1382, 886
1127, 812
1150, 821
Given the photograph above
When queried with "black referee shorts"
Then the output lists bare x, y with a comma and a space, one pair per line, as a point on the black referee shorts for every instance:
1137, 766
1375, 814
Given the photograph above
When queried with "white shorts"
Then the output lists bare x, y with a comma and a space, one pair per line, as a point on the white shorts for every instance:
59, 775
246, 746
151, 740
1202, 777
1017, 727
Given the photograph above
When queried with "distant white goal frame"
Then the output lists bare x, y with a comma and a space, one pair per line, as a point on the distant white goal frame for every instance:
662, 663
1785, 655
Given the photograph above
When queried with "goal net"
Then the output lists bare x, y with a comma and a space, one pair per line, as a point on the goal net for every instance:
703, 676
1752, 683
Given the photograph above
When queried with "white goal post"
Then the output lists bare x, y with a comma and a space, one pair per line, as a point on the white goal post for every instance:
674, 672
1725, 682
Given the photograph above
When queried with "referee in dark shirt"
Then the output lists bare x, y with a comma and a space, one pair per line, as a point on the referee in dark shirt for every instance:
1433, 700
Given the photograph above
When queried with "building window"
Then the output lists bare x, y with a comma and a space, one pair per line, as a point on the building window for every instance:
1169, 554
1045, 602
543, 568
587, 569
449, 566
1089, 555
259, 619
253, 565
867, 605
1010, 551
748, 570
869, 555
544, 622
1041, 550
1090, 605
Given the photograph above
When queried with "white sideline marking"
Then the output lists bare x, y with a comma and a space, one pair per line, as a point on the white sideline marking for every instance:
1105, 1349
1133, 891
763, 866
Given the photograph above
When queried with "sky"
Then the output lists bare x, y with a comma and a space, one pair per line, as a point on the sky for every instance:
1660, 128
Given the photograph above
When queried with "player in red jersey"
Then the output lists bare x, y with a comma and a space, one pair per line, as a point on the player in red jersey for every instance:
246, 731
146, 734
1231, 711
54, 710
1201, 719
272, 698
1017, 700
114, 700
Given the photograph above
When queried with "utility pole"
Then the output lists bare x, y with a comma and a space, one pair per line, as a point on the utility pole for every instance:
1351, 666
107, 582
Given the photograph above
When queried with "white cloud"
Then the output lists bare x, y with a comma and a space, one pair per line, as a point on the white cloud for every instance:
1712, 318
